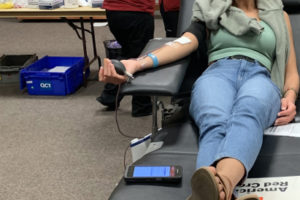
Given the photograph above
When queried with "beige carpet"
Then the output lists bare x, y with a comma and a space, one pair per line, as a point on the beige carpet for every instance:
60, 148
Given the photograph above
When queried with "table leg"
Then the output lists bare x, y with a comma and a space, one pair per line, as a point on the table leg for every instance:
86, 58
94, 42
83, 39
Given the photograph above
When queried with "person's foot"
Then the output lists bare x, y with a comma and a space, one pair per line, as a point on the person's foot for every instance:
108, 96
111, 105
226, 188
219, 182
208, 185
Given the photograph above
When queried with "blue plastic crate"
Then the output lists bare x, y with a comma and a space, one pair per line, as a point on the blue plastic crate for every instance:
40, 81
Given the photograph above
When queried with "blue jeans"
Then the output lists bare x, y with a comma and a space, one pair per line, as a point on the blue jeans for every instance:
232, 103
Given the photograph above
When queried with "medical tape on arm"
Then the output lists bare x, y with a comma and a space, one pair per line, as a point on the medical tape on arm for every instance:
182, 40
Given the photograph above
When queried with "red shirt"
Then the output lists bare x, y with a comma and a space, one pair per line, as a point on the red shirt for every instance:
171, 5
130, 5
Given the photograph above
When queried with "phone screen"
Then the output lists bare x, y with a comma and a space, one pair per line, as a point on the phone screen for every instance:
151, 171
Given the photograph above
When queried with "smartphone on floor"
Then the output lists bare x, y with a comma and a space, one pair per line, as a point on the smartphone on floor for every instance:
153, 174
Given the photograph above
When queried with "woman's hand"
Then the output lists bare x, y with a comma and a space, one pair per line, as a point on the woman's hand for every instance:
287, 113
108, 74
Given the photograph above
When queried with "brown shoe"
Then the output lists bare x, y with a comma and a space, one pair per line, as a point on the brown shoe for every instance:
205, 186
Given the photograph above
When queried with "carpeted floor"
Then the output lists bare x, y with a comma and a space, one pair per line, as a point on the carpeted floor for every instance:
60, 148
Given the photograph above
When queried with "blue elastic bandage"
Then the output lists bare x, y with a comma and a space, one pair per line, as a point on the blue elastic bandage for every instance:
154, 59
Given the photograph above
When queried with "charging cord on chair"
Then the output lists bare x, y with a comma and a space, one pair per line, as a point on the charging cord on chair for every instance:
116, 116
124, 158
118, 126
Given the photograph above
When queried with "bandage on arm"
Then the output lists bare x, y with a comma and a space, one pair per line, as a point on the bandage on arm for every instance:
180, 48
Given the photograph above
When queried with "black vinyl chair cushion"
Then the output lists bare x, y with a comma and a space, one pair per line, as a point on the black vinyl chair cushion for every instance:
290, 3
279, 156
162, 81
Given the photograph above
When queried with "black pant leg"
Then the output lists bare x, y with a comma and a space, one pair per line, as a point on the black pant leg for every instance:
132, 30
170, 20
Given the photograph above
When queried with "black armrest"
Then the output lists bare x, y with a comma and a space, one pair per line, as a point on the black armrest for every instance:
288, 3
162, 81
291, 6
297, 117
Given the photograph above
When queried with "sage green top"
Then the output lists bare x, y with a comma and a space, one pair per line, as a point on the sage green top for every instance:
259, 47
220, 13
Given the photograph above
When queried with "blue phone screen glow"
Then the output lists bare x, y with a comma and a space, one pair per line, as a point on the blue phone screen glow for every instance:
151, 171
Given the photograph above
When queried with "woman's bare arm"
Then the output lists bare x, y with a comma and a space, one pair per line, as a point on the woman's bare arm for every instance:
166, 54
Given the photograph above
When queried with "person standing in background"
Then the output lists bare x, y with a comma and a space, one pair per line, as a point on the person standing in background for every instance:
169, 10
132, 24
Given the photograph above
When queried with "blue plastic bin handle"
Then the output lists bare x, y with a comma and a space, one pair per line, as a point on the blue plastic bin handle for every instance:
45, 76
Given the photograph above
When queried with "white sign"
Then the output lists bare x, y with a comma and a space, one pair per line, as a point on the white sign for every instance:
292, 130
275, 188
59, 69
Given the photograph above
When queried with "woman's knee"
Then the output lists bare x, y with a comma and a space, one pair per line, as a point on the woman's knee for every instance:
261, 110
